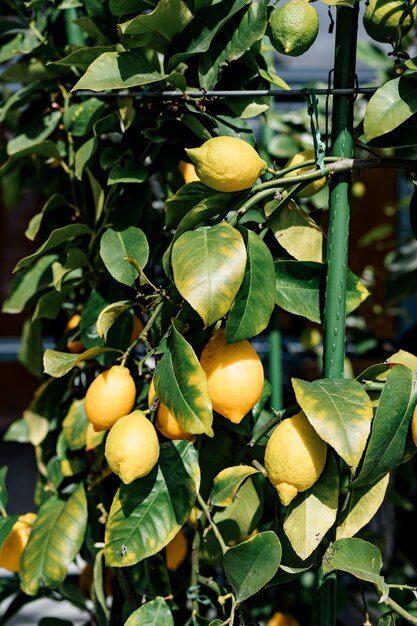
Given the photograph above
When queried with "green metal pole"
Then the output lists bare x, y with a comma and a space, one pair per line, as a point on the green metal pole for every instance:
338, 238
74, 33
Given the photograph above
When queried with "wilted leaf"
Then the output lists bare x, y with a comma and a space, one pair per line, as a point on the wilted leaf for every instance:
252, 563
209, 265
340, 411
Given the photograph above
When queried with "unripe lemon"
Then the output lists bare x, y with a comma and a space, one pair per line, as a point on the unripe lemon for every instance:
293, 27
294, 457
165, 422
282, 619
414, 426
382, 19
227, 163
176, 551
188, 172
132, 447
298, 159
235, 376
12, 549
110, 396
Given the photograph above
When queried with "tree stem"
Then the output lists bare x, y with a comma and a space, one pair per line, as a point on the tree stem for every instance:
212, 525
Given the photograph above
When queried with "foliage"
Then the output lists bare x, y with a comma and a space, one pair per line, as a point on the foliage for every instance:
117, 233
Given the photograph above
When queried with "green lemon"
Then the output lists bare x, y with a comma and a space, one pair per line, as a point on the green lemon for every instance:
293, 27
384, 20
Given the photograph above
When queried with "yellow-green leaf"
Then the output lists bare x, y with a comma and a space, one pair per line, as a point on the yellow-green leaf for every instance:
364, 502
153, 613
227, 483
55, 540
298, 234
341, 413
75, 425
313, 512
208, 266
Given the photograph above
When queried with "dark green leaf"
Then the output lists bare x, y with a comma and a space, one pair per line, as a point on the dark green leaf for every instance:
251, 564
34, 133
181, 385
110, 314
119, 70
209, 266
227, 483
155, 29
84, 57
48, 306
6, 525
27, 284
390, 426
117, 245
3, 490
124, 7
83, 156
22, 43
253, 305
57, 237
55, 540
153, 613
79, 118
235, 38
340, 412
31, 347
149, 512
299, 289
127, 171
192, 205
359, 558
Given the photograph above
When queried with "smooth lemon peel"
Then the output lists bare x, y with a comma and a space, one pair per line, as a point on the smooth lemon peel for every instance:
227, 164
109, 397
13, 547
382, 19
235, 376
293, 27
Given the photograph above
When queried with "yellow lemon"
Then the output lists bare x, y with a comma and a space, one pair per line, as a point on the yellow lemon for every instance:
384, 20
235, 376
227, 163
132, 447
165, 422
282, 619
294, 457
138, 326
75, 346
414, 426
188, 172
110, 396
176, 551
298, 159
293, 27
12, 549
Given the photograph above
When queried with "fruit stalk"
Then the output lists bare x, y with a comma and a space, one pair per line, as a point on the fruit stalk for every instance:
338, 236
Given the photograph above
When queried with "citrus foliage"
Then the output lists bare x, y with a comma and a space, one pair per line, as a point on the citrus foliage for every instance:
154, 269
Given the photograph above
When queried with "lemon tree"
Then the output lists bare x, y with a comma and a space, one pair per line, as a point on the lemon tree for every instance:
167, 236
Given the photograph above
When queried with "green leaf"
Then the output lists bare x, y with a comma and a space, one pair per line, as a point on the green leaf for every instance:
48, 306
46, 149
119, 70
55, 540
390, 426
127, 170
235, 38
364, 502
391, 104
99, 596
227, 483
251, 564
17, 431
38, 427
156, 29
83, 156
53, 202
359, 558
200, 32
209, 266
3, 490
340, 412
75, 424
58, 364
27, 284
273, 78
35, 132
300, 288
298, 234
194, 204
124, 7
153, 613
6, 525
181, 384
54, 621
31, 347
252, 308
79, 118
109, 315
402, 357
116, 245
149, 512
83, 57
313, 512
56, 238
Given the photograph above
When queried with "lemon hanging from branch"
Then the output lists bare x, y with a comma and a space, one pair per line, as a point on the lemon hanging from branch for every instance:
293, 27
298, 159
110, 396
227, 163
388, 20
